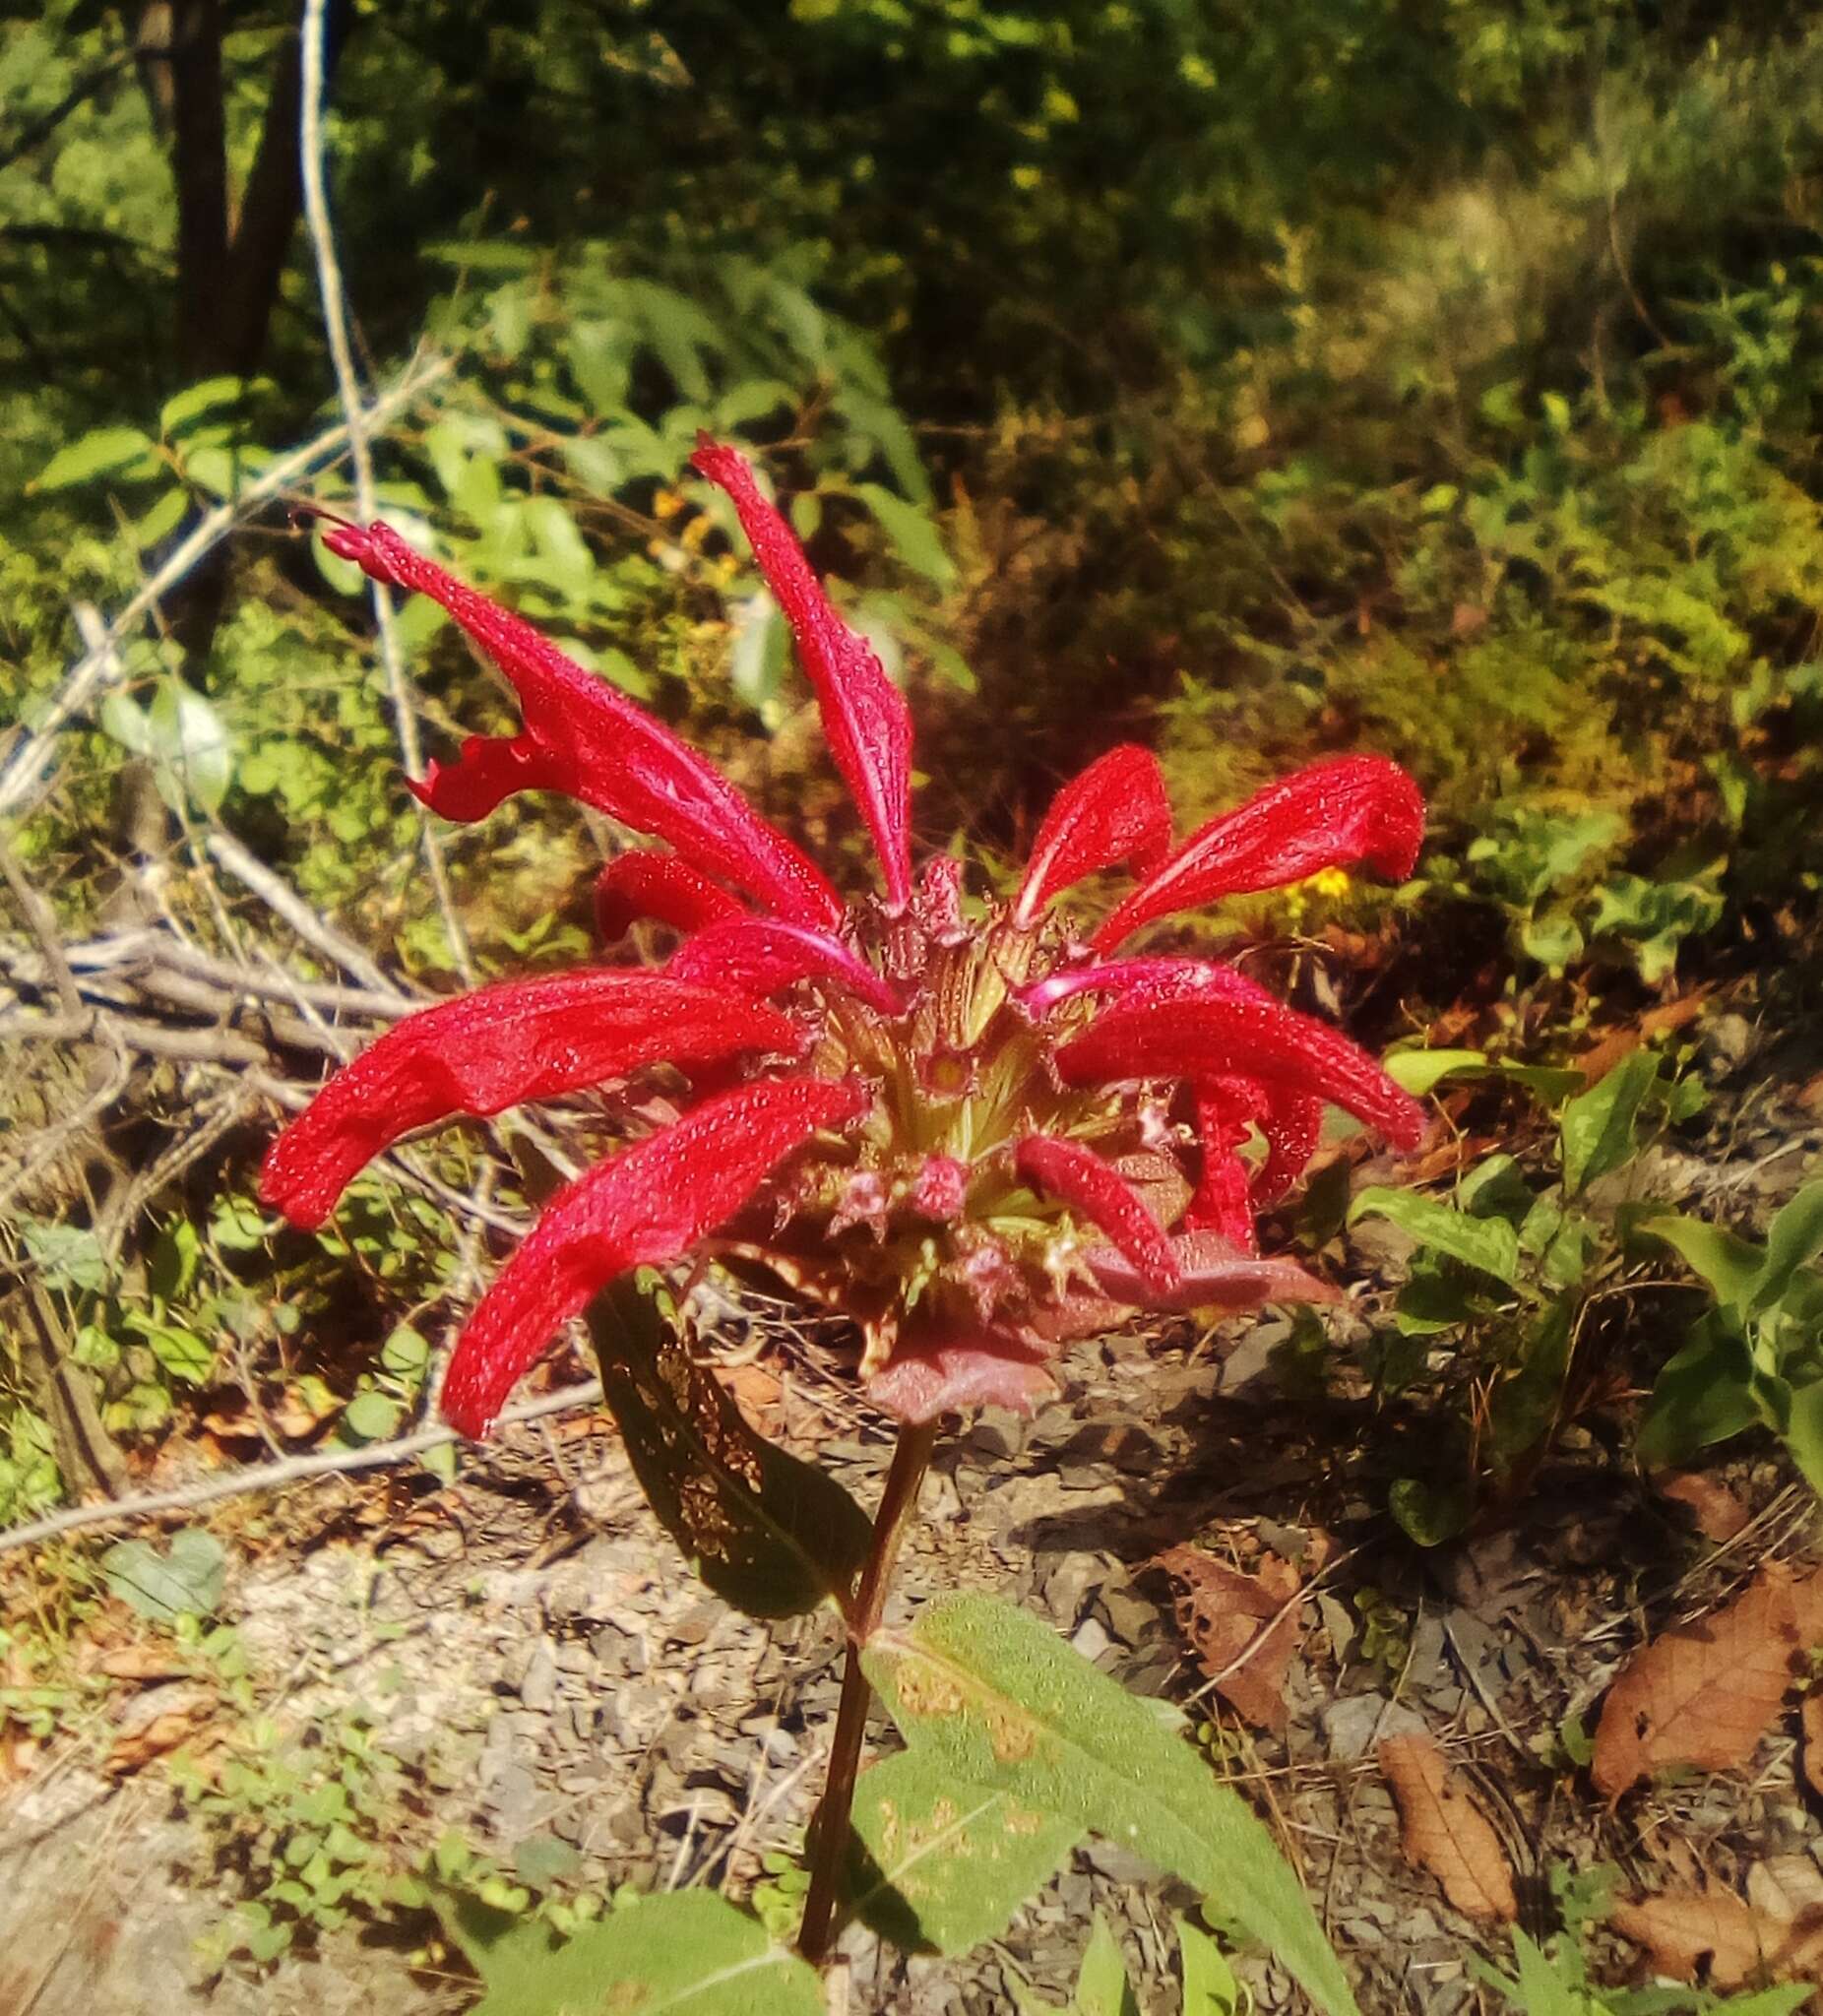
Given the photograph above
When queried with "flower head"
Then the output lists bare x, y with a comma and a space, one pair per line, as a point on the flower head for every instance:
976, 1134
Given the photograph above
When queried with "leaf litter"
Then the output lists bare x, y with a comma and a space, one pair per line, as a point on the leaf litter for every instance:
1445, 1832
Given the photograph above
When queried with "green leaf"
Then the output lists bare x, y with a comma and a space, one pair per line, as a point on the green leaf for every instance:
180, 1352
122, 452
1794, 1241
1489, 1243
1704, 1395
189, 745
939, 1866
1803, 1433
1730, 1264
1000, 1701
1597, 1129
1421, 1071
1101, 1984
768, 1533
66, 1256
913, 532
184, 409
1209, 1986
405, 1352
541, 1860
1427, 1514
370, 1417
688, 1953
186, 1581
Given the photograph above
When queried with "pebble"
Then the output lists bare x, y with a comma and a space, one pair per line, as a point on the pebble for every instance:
1353, 1725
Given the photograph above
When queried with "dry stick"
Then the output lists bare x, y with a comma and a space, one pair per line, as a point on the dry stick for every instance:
101, 664
272, 1475
830, 1831
360, 455
281, 898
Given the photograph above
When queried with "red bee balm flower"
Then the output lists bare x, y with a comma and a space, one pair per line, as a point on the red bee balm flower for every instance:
978, 1138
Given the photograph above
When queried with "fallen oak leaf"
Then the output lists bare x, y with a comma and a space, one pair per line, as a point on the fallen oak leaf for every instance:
156, 1721
1701, 1694
1687, 1932
1719, 1514
1227, 1618
1813, 1742
1446, 1832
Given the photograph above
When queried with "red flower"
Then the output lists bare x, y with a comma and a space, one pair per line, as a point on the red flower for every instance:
966, 1136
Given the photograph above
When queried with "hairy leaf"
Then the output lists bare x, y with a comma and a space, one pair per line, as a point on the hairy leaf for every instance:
940, 1867
1000, 1701
768, 1534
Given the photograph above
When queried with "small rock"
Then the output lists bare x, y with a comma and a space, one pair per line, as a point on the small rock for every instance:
1118, 1865
1342, 1625
1354, 1726
538, 1679
1091, 1639
1130, 1616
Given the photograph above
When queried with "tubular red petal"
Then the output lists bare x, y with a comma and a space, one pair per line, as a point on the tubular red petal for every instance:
1353, 808
661, 887
1200, 1038
865, 715
1213, 1273
1292, 1124
1115, 811
645, 1207
1142, 980
523, 1039
760, 956
584, 738
1074, 1173
1222, 1201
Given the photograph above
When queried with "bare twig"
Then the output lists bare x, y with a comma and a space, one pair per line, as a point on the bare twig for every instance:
267, 1476
361, 456
279, 896
41, 922
101, 664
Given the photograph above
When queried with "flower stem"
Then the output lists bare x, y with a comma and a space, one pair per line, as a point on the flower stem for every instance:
828, 1833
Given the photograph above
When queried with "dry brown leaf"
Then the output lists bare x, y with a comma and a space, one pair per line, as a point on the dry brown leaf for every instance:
1595, 1064
1718, 1513
1813, 1742
1226, 1614
155, 1724
1446, 1832
1681, 1930
1808, 1598
1702, 1694
755, 1390
141, 1663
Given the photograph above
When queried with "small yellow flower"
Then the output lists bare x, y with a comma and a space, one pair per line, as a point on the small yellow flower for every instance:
1329, 882
667, 503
